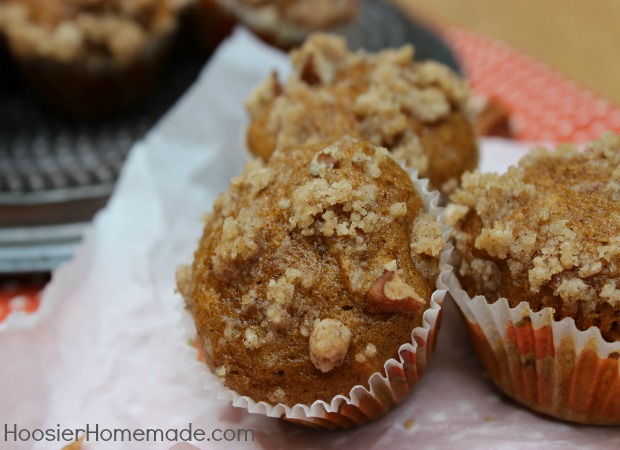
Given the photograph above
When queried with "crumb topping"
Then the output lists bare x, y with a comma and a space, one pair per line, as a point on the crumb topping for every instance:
278, 395
329, 344
221, 371
307, 14
315, 202
550, 222
427, 238
185, 282
611, 293
380, 97
369, 352
96, 32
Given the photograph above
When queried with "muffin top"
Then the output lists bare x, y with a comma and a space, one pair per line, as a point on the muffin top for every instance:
417, 111
546, 232
90, 31
309, 14
312, 271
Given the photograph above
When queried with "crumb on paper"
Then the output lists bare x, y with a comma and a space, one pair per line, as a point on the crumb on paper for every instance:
408, 424
77, 445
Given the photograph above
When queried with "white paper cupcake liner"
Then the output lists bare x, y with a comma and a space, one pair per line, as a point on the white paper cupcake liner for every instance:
547, 365
362, 404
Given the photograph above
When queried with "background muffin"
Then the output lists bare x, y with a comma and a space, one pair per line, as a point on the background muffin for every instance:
90, 57
547, 233
417, 111
312, 272
284, 23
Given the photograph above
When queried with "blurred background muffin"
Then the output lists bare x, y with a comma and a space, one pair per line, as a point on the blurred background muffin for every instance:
90, 57
284, 23
418, 111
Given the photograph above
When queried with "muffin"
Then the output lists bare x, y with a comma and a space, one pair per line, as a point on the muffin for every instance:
538, 251
210, 24
283, 23
416, 110
315, 274
90, 57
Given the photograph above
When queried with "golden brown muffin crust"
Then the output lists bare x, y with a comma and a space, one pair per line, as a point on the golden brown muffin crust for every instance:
415, 110
281, 283
546, 232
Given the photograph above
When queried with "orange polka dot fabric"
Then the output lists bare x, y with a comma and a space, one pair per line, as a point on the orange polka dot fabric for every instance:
545, 106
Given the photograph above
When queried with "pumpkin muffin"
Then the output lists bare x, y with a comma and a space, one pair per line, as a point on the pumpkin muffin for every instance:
547, 233
416, 110
312, 272
90, 57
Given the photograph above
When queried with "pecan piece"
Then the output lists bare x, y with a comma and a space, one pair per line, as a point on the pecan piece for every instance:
309, 73
275, 82
390, 293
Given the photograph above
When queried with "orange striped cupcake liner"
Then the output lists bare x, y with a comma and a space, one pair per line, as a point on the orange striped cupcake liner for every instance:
362, 404
547, 365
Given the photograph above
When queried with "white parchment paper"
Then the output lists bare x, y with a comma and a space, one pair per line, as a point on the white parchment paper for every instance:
104, 348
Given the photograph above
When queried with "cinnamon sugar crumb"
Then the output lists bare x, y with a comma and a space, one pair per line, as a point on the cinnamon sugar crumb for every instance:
574, 290
315, 202
611, 250
250, 339
279, 296
408, 424
221, 371
278, 395
398, 209
329, 344
238, 238
369, 352
610, 293
427, 236
185, 282
549, 221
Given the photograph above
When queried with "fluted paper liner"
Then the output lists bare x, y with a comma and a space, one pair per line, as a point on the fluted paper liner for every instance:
361, 405
547, 365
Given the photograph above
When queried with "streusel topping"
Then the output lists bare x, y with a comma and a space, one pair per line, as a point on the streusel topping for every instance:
383, 97
309, 14
92, 31
548, 229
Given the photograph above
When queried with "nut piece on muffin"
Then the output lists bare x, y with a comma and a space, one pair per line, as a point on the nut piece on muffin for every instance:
312, 271
90, 57
284, 23
416, 110
547, 232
